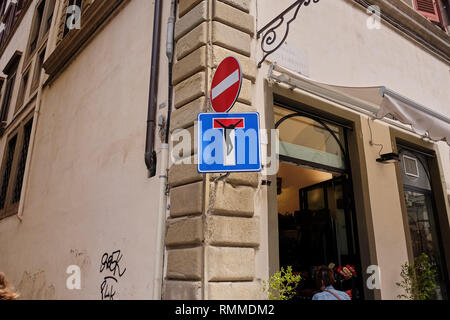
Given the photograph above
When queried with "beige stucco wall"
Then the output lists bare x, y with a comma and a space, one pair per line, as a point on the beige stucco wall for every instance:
336, 47
386, 210
88, 191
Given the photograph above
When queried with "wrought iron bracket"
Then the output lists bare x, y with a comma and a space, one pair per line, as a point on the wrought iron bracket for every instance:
269, 43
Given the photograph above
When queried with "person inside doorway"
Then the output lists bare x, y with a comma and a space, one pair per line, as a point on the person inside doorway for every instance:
324, 281
315, 202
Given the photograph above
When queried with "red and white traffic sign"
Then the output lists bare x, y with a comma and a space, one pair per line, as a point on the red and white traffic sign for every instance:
226, 84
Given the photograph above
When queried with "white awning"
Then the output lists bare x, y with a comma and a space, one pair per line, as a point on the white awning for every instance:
377, 101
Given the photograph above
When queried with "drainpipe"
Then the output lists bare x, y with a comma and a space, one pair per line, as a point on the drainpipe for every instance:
169, 53
163, 176
150, 154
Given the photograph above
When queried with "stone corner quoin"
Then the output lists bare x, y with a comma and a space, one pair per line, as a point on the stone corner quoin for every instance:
211, 222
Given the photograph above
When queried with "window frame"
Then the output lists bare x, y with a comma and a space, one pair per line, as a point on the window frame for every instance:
403, 140
12, 21
8, 18
37, 73
433, 216
22, 94
42, 30
2, 85
35, 30
10, 208
324, 124
7, 97
49, 17
11, 14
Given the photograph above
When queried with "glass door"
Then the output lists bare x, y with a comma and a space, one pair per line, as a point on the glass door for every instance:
316, 216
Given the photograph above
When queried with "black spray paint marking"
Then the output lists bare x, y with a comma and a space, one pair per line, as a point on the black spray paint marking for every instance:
110, 263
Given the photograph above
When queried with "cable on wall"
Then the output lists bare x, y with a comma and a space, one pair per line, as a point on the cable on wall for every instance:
372, 143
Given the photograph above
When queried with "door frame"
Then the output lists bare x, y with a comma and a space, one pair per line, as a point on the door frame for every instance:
319, 107
438, 194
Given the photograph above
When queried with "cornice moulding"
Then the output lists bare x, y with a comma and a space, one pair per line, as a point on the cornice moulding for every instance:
408, 21
96, 16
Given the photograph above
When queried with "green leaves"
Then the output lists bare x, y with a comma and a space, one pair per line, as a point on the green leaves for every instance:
419, 279
282, 285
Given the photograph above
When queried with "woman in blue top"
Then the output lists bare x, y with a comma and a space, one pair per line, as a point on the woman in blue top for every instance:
324, 281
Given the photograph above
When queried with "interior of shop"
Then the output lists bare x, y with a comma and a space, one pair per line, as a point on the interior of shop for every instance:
313, 221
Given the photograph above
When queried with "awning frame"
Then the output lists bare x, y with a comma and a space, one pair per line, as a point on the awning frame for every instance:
386, 91
301, 82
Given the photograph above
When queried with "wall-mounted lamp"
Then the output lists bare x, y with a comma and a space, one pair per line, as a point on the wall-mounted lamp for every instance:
389, 158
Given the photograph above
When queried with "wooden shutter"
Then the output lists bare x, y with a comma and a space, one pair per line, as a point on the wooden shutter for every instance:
429, 9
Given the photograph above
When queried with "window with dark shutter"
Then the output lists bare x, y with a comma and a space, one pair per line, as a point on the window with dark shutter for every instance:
36, 26
11, 14
49, 16
38, 70
7, 99
11, 147
10, 70
14, 166
428, 8
2, 34
22, 90
41, 25
22, 162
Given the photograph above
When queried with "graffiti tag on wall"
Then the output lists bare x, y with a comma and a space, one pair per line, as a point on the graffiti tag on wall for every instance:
113, 271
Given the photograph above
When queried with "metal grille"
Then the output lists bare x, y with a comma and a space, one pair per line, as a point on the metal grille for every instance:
411, 166
7, 172
22, 162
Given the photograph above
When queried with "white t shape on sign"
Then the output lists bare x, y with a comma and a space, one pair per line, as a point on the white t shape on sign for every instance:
229, 127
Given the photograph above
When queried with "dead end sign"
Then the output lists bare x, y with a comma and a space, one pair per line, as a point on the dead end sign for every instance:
226, 84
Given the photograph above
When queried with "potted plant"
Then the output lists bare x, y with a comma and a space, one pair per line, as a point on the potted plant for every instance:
282, 285
418, 279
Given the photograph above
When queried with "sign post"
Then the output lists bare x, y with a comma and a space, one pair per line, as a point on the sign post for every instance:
228, 142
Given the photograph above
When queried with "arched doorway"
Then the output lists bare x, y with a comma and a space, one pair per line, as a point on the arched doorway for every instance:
316, 216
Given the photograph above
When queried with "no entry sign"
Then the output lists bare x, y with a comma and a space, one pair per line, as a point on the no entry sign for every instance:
226, 84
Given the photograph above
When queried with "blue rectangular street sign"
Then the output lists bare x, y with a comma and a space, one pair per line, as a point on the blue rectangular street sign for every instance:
228, 142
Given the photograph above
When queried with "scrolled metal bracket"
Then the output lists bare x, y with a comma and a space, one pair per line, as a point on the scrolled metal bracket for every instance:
269, 31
